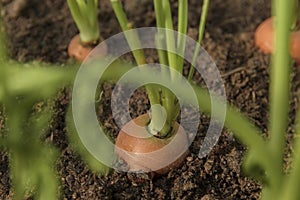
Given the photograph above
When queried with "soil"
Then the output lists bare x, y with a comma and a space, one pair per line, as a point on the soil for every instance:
41, 31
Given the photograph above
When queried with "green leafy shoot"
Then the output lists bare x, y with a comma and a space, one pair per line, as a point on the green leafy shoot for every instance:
167, 41
200, 36
85, 15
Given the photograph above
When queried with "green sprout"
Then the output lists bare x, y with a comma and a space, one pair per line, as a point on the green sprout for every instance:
164, 20
85, 15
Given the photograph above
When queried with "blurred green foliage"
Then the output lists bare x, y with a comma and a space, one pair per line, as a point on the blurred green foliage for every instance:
31, 161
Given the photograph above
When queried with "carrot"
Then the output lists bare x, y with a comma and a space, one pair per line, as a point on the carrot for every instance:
80, 51
77, 50
135, 147
264, 40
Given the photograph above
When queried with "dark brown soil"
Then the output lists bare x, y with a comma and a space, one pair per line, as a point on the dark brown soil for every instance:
41, 31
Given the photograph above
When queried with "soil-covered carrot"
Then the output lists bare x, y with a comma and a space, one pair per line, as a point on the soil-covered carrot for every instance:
264, 39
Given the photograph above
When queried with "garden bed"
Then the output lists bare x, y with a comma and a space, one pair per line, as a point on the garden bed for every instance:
42, 31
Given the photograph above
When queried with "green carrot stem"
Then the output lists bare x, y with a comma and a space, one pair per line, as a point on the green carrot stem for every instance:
170, 40
160, 37
182, 31
132, 40
167, 98
159, 13
292, 181
134, 43
85, 15
200, 37
279, 88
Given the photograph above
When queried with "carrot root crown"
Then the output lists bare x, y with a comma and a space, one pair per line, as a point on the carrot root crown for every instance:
80, 51
138, 148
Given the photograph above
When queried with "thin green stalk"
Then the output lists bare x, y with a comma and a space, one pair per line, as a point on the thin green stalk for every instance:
85, 15
292, 182
200, 37
134, 43
279, 88
159, 13
161, 36
170, 40
182, 31
168, 98
163, 59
